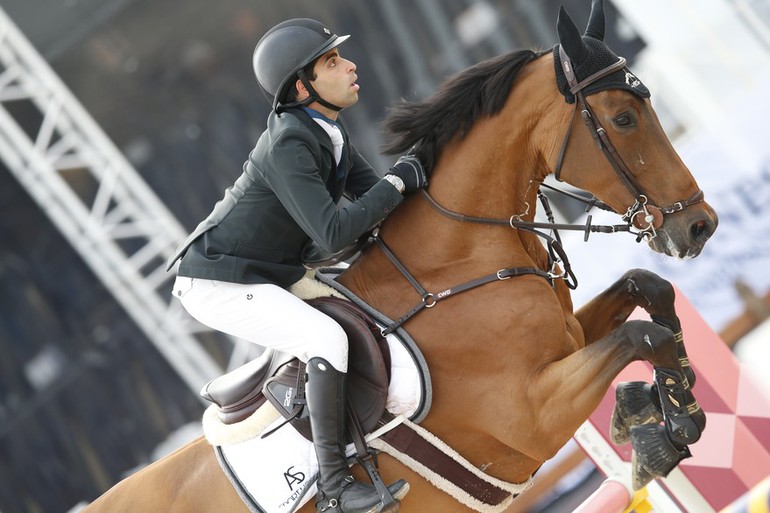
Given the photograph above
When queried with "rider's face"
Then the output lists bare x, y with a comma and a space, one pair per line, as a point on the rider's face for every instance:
335, 82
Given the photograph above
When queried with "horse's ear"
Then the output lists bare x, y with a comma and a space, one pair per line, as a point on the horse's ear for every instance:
595, 27
569, 38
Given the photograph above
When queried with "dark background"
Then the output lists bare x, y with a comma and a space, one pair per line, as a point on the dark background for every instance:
84, 396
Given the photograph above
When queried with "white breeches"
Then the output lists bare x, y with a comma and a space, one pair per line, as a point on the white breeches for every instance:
266, 315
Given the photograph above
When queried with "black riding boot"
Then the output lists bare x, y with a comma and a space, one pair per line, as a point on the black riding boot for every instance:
338, 492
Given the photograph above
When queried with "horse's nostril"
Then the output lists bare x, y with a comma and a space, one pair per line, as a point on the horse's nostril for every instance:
700, 230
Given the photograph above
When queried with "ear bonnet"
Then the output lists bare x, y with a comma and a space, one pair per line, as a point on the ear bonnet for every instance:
589, 54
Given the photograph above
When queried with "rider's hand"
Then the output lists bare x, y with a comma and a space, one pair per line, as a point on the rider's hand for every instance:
409, 169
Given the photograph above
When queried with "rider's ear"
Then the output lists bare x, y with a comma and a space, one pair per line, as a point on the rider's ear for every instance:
302, 92
595, 27
570, 38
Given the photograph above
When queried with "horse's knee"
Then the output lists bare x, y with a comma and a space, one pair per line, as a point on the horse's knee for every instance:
649, 288
652, 341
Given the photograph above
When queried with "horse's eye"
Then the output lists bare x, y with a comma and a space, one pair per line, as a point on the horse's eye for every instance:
624, 120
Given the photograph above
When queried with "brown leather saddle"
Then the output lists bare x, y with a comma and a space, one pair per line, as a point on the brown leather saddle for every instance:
280, 378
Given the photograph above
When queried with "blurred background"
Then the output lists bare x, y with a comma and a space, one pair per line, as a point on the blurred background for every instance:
99, 373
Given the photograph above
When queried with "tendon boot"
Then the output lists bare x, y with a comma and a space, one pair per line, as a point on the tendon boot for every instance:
338, 492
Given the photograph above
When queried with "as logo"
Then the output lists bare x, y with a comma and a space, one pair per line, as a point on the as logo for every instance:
293, 478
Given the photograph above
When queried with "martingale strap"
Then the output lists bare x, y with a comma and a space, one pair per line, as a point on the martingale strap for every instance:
429, 299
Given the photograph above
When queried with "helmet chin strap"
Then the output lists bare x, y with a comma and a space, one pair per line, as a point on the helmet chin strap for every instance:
313, 95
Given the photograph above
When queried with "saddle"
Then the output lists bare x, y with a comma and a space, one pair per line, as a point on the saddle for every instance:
280, 378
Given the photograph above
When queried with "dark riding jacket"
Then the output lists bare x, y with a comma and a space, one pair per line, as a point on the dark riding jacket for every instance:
286, 197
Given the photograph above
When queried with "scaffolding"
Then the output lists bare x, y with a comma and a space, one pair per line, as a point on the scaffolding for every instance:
98, 201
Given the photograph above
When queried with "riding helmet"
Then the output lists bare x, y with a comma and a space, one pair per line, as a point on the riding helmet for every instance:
286, 49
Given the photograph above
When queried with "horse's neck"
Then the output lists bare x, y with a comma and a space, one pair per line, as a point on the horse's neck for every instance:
493, 171
481, 178
445, 251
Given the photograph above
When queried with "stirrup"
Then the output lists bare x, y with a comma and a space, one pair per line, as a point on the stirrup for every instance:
370, 464
367, 458
398, 490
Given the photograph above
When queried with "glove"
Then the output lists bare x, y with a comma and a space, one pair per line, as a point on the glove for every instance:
409, 169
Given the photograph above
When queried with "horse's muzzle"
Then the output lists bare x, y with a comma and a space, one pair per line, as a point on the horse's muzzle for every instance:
684, 234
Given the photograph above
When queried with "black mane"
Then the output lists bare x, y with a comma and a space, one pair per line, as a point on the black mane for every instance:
480, 90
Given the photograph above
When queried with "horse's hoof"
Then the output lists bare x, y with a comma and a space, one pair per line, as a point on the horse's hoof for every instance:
634, 406
654, 454
639, 475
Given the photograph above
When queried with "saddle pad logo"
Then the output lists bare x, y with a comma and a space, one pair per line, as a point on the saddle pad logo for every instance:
293, 477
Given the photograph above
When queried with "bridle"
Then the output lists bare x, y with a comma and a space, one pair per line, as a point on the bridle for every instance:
647, 218
641, 218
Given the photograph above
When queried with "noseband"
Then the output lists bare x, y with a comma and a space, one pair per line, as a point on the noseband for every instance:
644, 216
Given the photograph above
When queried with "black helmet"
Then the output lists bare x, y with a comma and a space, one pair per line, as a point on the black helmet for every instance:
287, 48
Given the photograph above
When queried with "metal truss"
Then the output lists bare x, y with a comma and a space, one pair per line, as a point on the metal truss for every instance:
96, 199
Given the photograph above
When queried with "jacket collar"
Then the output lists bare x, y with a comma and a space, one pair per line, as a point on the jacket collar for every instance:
319, 132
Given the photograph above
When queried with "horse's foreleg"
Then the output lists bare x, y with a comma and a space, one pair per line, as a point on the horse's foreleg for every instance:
590, 371
639, 403
636, 288
572, 387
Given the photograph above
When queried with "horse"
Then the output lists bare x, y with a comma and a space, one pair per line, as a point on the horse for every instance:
515, 368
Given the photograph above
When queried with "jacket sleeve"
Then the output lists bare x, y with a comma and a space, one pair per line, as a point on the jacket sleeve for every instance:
292, 170
361, 176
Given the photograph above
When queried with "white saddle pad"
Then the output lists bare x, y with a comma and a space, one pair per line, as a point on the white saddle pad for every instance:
277, 474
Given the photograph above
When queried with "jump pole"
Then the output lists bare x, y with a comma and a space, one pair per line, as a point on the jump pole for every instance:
611, 497
733, 454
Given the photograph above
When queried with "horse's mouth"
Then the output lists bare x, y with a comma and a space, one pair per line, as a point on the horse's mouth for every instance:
665, 244
684, 234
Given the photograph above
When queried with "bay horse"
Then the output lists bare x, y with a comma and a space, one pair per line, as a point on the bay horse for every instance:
515, 371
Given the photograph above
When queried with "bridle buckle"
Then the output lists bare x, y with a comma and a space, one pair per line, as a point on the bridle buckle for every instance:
676, 207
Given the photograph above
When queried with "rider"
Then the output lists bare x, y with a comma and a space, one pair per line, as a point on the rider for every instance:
238, 263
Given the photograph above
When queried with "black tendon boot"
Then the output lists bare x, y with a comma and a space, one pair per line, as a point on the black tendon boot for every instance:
338, 492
